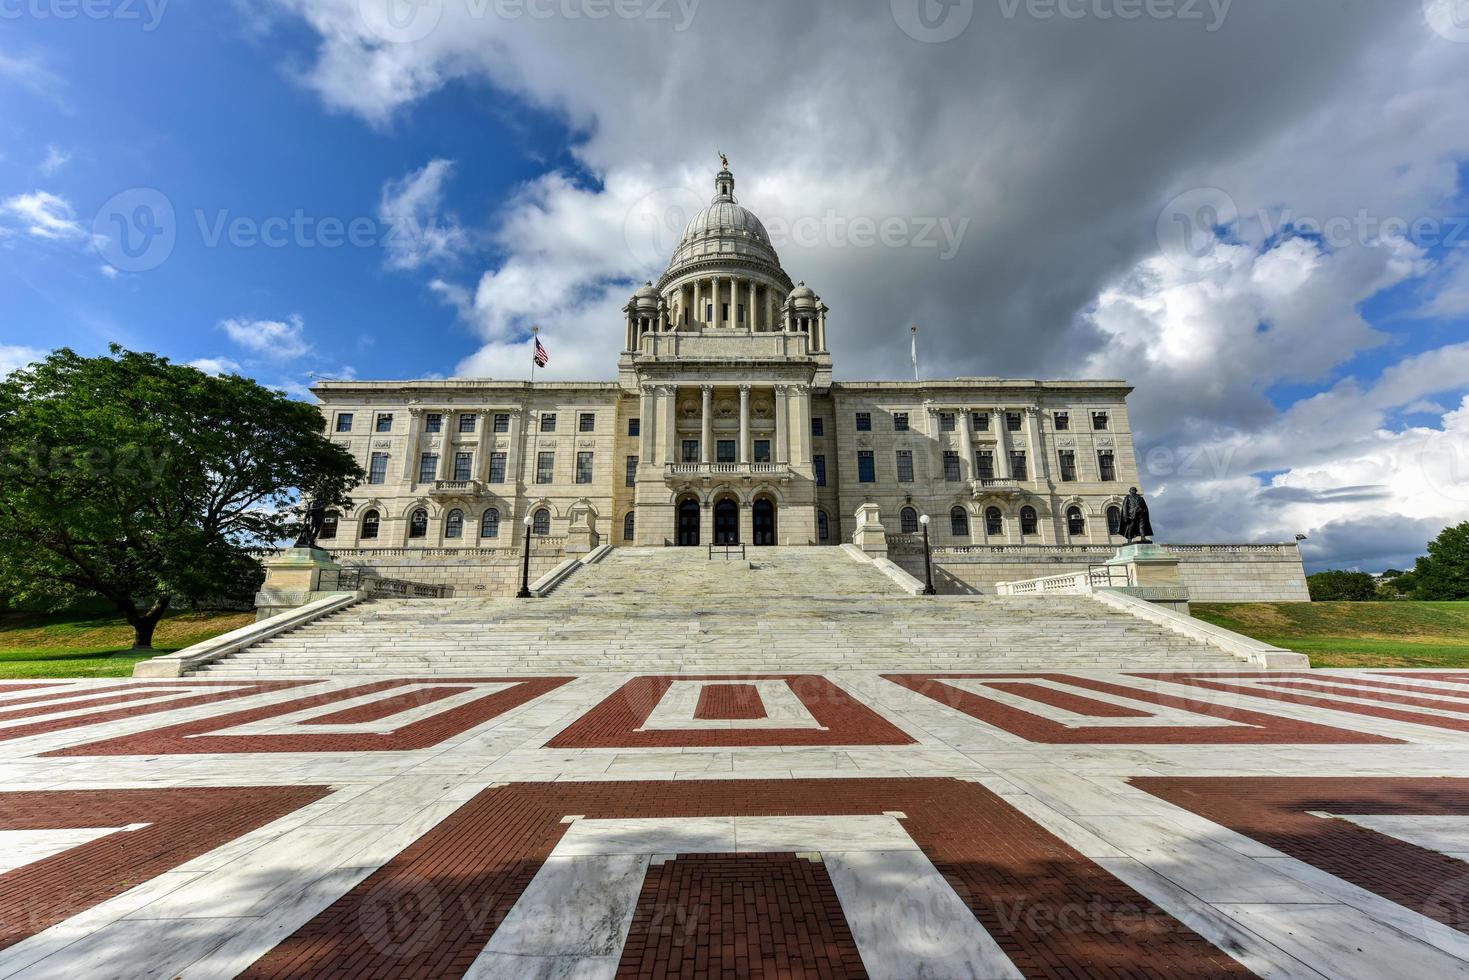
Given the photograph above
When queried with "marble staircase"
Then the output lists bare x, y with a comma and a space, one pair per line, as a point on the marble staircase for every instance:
670, 610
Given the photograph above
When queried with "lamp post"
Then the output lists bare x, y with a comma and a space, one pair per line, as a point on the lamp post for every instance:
928, 588
525, 592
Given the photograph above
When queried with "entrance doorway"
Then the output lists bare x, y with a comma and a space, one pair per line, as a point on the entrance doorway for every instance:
688, 524
726, 522
762, 523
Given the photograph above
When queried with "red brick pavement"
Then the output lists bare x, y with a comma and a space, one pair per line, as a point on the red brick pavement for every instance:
431, 910
739, 915
224, 691
614, 723
1074, 703
194, 737
378, 710
182, 824
1254, 728
730, 702
1220, 682
1275, 812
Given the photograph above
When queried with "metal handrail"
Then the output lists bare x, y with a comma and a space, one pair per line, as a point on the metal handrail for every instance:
727, 550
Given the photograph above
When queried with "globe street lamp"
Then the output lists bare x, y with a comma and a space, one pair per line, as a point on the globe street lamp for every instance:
928, 588
525, 592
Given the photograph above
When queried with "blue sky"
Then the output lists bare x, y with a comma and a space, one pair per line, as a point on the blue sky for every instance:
507, 165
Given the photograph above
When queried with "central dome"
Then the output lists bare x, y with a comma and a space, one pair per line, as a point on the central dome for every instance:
724, 230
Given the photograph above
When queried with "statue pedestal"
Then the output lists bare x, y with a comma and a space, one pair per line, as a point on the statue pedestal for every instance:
1152, 574
580, 539
293, 578
870, 535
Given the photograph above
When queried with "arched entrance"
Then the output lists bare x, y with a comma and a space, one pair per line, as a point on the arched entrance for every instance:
688, 523
727, 522
762, 522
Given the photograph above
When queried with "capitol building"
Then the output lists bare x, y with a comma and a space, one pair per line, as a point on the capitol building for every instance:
724, 426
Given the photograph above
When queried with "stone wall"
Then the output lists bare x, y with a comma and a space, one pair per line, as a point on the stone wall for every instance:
471, 572
1213, 573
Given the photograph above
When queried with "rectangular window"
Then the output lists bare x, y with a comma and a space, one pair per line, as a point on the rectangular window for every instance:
1068, 466
545, 467
1063, 421
905, 466
428, 467
385, 423
741, 311
378, 469
818, 465
864, 421
632, 471
583, 467
951, 467
1013, 421
1107, 465
587, 422
762, 450
708, 312
467, 423
502, 422
979, 421
634, 427
1017, 465
690, 451
866, 468
725, 451
723, 312
1099, 421
463, 467
344, 422
984, 464
947, 422
818, 428
497, 467
433, 422
548, 421
900, 421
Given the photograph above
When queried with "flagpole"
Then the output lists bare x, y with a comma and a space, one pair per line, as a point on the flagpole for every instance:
915, 352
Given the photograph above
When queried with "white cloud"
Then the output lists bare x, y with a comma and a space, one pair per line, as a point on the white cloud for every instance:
44, 215
55, 159
418, 234
30, 72
216, 365
279, 340
13, 358
108, 272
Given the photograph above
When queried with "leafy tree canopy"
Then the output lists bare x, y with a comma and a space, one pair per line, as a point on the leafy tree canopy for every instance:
1338, 586
1444, 572
146, 482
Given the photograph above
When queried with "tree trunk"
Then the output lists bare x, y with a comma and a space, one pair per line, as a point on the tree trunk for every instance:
144, 624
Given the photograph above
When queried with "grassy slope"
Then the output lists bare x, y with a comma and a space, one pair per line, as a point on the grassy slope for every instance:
96, 646
1354, 634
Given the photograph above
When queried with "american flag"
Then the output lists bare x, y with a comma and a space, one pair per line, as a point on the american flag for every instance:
541, 356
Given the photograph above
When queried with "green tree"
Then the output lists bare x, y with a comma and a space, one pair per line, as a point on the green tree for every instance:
1338, 586
1444, 572
145, 482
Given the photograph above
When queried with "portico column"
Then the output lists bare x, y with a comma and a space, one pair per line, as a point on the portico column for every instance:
482, 447
782, 424
513, 454
1002, 444
1039, 463
800, 439
966, 445
706, 438
747, 524
820, 329
670, 423
744, 425
446, 445
696, 309
410, 455
750, 308
647, 424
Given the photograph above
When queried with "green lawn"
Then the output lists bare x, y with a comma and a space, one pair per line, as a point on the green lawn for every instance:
1354, 634
96, 646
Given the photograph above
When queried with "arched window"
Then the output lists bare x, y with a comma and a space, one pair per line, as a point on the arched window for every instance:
489, 525
418, 524
630, 526
370, 524
1114, 520
959, 522
329, 526
542, 522
909, 517
823, 527
454, 524
1075, 522
994, 522
1028, 521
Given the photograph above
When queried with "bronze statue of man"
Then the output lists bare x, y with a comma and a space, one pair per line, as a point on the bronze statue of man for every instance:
1136, 524
312, 521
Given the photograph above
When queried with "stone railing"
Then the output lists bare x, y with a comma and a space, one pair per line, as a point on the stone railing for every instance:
1071, 583
1003, 487
454, 488
356, 580
675, 471
375, 553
